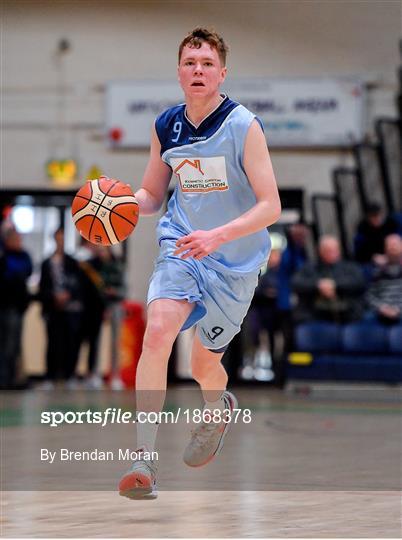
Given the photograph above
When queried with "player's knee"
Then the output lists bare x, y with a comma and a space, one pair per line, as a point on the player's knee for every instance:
158, 335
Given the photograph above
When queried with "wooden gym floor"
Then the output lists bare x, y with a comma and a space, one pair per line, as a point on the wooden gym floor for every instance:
306, 466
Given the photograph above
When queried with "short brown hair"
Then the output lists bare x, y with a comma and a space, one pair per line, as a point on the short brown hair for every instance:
200, 35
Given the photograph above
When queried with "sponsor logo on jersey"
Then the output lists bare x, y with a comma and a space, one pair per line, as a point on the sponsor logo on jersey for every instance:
201, 175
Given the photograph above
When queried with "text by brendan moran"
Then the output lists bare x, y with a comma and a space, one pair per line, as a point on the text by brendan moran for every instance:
64, 454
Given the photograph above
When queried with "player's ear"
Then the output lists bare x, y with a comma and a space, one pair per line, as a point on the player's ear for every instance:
224, 71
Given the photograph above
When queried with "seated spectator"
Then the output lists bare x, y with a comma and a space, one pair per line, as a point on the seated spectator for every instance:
330, 289
384, 296
371, 233
15, 268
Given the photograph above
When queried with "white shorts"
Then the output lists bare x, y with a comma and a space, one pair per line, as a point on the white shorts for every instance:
221, 300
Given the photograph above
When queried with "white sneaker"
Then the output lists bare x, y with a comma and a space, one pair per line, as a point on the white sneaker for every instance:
139, 483
46, 385
208, 437
94, 382
263, 359
117, 384
72, 384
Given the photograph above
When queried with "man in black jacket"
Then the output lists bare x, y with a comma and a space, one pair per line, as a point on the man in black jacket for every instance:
15, 268
330, 289
61, 291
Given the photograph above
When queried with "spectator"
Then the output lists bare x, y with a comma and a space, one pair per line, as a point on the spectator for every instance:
330, 289
94, 310
61, 291
293, 258
112, 272
371, 233
385, 293
15, 268
105, 273
86, 250
262, 317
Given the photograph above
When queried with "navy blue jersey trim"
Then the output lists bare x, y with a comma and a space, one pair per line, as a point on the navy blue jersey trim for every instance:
221, 350
208, 118
260, 122
175, 130
165, 119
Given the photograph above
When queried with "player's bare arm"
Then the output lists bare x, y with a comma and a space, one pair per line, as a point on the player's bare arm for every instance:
155, 181
258, 167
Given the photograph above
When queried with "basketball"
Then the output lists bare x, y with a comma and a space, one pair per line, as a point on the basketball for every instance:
105, 211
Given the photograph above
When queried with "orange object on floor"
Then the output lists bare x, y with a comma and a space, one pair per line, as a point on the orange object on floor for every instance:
131, 336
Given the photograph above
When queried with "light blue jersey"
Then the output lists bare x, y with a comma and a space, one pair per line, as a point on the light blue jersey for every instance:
212, 187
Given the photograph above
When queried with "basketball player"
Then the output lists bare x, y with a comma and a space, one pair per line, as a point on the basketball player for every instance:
213, 240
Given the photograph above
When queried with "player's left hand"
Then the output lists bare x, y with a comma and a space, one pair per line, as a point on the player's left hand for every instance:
198, 244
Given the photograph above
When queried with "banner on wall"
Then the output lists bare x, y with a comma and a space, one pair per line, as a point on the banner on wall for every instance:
307, 112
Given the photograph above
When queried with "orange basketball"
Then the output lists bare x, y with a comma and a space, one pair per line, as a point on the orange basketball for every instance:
105, 211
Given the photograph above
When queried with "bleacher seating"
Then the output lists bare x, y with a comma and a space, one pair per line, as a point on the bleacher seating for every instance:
395, 339
365, 337
371, 181
389, 135
350, 206
364, 350
361, 351
318, 337
326, 216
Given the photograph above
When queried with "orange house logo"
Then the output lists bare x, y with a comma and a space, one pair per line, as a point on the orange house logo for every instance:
201, 175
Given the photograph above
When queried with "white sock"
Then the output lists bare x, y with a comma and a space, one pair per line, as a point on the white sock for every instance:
146, 435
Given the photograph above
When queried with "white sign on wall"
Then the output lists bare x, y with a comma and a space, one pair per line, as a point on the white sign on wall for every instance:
316, 112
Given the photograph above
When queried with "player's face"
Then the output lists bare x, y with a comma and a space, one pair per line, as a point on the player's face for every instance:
200, 71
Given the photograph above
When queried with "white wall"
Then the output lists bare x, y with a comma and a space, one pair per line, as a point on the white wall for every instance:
130, 39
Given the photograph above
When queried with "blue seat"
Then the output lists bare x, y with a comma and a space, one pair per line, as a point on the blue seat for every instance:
321, 368
395, 338
318, 337
365, 336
